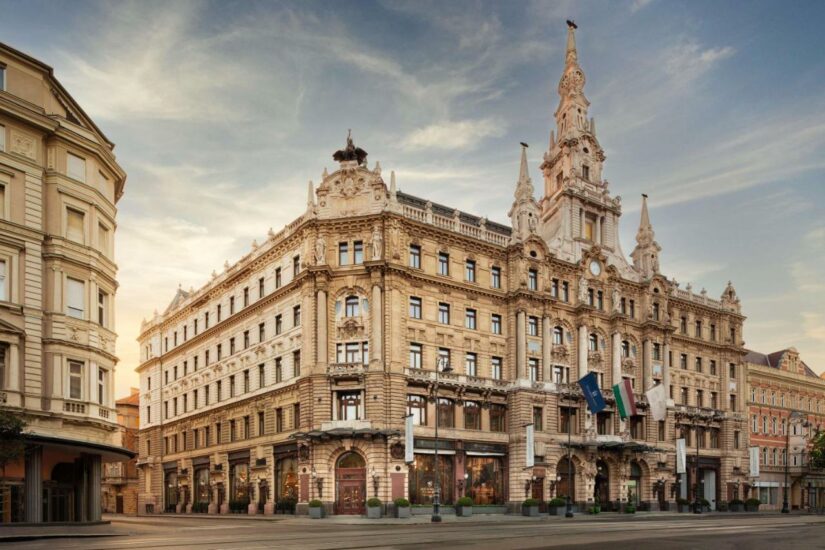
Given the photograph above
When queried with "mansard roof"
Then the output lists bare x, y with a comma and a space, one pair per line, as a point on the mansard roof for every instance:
774, 360
442, 210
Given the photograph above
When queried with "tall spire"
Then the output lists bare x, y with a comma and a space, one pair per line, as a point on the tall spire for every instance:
523, 174
572, 79
524, 212
646, 254
571, 55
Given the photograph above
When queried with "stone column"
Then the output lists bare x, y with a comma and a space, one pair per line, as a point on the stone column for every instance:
34, 484
521, 345
13, 376
321, 351
94, 486
546, 349
647, 367
616, 356
582, 351
377, 323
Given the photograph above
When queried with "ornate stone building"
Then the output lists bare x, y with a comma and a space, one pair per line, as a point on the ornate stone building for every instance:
289, 374
786, 404
59, 183
120, 479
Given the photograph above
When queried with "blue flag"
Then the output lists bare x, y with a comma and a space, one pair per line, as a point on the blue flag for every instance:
592, 393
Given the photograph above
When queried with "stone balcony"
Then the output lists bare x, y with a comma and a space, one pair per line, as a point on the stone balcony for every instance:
454, 379
346, 370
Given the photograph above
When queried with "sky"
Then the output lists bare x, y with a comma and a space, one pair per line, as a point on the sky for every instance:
222, 111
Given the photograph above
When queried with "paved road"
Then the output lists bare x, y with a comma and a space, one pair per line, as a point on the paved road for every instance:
677, 531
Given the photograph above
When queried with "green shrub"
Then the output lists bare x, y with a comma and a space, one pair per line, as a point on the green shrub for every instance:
530, 502
722, 506
558, 501
464, 501
630, 509
705, 502
736, 501
286, 505
402, 503
753, 502
315, 503
374, 502
682, 501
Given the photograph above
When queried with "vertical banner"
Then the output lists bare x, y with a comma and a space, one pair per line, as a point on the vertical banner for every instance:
753, 453
530, 451
592, 394
681, 456
408, 439
657, 398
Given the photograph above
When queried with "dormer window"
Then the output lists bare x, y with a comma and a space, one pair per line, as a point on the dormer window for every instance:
586, 172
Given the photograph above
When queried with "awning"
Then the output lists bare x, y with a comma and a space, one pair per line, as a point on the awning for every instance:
344, 433
631, 446
432, 452
482, 453
107, 452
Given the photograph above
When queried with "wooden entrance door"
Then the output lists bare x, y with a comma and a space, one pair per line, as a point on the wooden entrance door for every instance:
537, 492
351, 497
119, 504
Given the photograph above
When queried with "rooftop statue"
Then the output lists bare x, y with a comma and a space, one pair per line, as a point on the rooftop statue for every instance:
350, 152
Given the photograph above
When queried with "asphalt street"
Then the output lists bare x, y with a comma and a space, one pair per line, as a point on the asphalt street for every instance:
723, 531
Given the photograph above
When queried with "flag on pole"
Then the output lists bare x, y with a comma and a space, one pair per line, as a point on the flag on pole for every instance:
657, 398
592, 393
681, 457
530, 453
408, 439
625, 402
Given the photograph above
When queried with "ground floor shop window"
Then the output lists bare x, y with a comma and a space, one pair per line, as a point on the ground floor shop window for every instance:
12, 502
201, 490
422, 479
769, 495
238, 486
286, 484
171, 487
485, 479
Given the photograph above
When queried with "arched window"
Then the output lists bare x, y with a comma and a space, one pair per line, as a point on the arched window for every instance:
593, 342
351, 308
558, 336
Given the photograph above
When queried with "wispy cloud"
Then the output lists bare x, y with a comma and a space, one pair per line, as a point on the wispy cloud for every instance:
463, 134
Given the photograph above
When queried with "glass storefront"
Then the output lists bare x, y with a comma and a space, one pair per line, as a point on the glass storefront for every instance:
202, 486
171, 486
485, 479
239, 482
422, 479
286, 479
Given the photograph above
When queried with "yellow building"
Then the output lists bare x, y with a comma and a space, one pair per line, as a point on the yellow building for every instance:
288, 376
59, 183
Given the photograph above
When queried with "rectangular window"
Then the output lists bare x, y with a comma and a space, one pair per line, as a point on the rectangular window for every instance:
246, 381
533, 279
472, 415
343, 253
279, 324
206, 320
349, 405
245, 296
260, 288
415, 307
75, 303
296, 415
444, 357
206, 395
358, 252
279, 373
443, 263
498, 418
218, 433
662, 430
532, 326
74, 225
554, 288
231, 346
417, 408
632, 309
568, 420
245, 339
296, 363
232, 386
218, 313
565, 291
206, 357
278, 277
561, 374
444, 314
219, 390
495, 277
533, 366
446, 412
296, 266
416, 352
75, 380
103, 238
713, 366
470, 271
231, 305
732, 371
232, 434
246, 430
470, 319
538, 419
495, 368
657, 351
600, 300
683, 361
101, 308
261, 332
471, 364
2, 128
495, 323
415, 256
713, 332
698, 364
698, 332
75, 167
296, 316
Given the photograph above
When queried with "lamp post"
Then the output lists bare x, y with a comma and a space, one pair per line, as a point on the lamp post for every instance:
697, 504
443, 365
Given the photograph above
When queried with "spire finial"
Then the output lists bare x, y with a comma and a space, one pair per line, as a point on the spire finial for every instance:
523, 174
571, 56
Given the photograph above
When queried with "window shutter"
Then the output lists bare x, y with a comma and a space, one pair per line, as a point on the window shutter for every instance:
74, 298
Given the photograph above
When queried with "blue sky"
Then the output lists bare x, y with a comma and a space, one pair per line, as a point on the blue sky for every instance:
222, 111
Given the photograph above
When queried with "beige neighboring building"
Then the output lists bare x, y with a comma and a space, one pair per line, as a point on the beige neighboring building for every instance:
786, 404
120, 479
289, 374
59, 183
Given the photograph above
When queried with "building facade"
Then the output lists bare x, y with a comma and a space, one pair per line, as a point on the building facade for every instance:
59, 183
120, 479
786, 405
288, 376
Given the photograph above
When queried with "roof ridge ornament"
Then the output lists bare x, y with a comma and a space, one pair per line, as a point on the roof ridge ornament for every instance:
350, 152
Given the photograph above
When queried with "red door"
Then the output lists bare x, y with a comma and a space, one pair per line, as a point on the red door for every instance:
351, 497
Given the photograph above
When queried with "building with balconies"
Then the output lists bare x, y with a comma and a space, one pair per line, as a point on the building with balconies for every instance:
59, 184
288, 376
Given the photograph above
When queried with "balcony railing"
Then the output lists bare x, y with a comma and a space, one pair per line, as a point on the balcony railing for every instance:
346, 369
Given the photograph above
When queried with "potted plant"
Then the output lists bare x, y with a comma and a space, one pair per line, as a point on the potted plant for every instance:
402, 508
752, 505
736, 505
464, 507
722, 506
705, 504
316, 509
683, 505
557, 506
374, 508
530, 507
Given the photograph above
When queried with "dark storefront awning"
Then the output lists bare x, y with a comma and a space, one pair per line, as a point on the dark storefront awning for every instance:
108, 452
632, 446
343, 433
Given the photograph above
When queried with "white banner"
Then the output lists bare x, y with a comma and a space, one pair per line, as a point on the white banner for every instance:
530, 453
753, 452
657, 398
408, 439
681, 457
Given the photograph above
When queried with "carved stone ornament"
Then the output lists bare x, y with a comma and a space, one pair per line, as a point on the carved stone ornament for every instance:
397, 451
303, 452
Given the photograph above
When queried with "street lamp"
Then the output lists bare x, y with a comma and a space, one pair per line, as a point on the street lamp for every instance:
441, 364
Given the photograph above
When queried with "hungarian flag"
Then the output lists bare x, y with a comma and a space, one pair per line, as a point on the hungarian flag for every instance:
623, 392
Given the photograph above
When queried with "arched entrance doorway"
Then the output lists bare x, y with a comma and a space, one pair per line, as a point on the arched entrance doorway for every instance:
350, 484
566, 479
601, 492
634, 484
